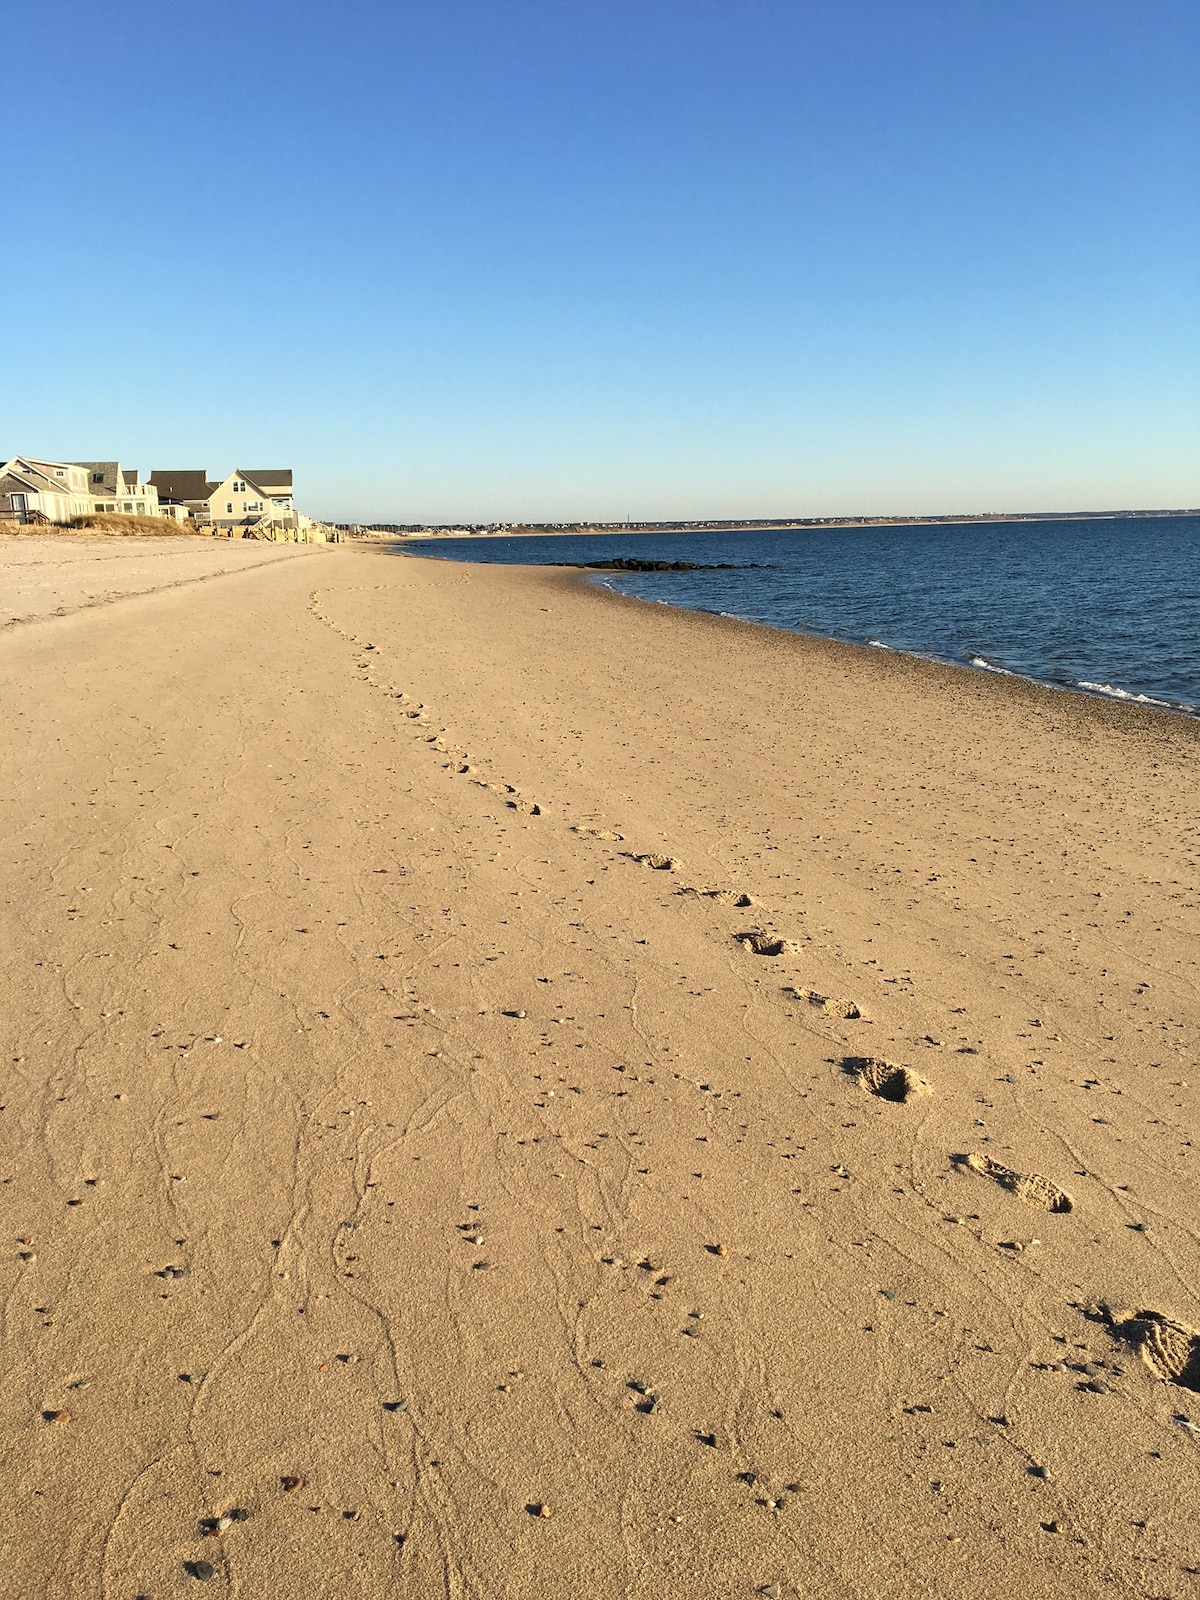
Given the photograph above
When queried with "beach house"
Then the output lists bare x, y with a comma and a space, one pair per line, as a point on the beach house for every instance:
114, 488
246, 504
255, 504
37, 491
43, 491
186, 489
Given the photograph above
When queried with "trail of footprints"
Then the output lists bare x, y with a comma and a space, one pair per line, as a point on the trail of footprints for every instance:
1169, 1349
460, 761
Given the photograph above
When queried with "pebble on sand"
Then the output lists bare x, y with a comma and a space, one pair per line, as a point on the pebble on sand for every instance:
538, 1508
56, 1416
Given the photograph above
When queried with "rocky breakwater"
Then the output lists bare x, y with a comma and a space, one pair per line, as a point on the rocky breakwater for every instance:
636, 564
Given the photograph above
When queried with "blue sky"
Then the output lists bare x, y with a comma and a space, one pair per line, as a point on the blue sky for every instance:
558, 259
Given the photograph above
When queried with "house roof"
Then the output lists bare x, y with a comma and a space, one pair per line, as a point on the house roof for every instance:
276, 477
12, 483
183, 484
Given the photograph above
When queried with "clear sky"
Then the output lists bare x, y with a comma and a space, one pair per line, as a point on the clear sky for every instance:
559, 259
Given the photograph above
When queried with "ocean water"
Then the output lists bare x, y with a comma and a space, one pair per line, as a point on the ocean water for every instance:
1108, 607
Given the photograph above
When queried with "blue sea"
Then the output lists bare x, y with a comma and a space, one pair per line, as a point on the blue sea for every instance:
1108, 607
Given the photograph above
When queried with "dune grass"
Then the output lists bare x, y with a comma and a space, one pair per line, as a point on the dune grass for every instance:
116, 522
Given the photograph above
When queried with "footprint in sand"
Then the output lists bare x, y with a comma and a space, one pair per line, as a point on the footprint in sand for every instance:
766, 944
724, 897
1028, 1186
659, 863
885, 1079
1169, 1348
596, 833
845, 1010
526, 807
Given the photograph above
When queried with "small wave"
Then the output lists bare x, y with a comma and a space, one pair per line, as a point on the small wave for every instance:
877, 644
1123, 694
990, 666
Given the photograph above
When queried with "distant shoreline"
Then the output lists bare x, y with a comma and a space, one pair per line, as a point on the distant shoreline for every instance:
528, 530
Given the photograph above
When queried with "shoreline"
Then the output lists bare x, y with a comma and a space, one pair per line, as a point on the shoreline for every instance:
1139, 703
511, 1078
1148, 704
1118, 711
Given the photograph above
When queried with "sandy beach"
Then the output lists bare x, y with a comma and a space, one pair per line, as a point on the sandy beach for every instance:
516, 1092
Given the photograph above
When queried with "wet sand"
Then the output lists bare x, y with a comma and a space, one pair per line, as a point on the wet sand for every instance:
481, 1046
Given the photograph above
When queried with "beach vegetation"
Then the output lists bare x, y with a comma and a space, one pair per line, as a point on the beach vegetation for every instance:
115, 522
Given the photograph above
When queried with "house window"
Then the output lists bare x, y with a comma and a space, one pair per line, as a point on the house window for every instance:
253, 505
238, 488
229, 508
128, 507
59, 473
97, 477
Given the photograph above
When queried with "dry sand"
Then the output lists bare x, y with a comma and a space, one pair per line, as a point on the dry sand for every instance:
53, 575
389, 1153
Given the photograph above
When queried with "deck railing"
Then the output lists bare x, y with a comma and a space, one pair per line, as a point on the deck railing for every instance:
21, 515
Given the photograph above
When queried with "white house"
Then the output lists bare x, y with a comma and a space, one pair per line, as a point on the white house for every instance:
117, 489
43, 491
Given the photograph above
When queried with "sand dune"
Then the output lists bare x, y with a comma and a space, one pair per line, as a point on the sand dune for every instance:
515, 1092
